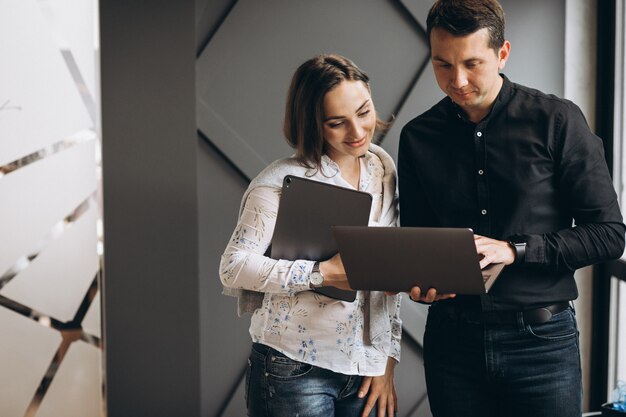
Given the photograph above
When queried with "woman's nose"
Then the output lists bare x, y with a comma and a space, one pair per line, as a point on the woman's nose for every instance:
357, 130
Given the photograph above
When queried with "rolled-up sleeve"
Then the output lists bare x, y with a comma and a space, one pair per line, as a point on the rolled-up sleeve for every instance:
244, 264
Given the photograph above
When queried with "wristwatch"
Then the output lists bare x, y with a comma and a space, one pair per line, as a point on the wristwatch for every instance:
316, 277
518, 243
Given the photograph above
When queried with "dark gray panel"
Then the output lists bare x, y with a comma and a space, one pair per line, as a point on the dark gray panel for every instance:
149, 145
225, 342
244, 72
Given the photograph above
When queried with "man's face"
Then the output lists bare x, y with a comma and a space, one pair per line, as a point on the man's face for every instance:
467, 69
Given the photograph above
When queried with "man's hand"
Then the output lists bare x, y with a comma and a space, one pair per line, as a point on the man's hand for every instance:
493, 251
429, 296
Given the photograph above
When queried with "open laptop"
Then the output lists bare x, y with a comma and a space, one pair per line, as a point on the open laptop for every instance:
307, 211
398, 258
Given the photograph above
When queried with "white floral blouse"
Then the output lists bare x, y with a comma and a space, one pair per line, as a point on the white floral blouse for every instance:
302, 324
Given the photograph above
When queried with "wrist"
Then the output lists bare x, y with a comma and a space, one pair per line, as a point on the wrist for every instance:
326, 269
518, 244
317, 276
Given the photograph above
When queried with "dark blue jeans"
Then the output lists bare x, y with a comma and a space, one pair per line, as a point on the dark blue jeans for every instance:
485, 370
279, 387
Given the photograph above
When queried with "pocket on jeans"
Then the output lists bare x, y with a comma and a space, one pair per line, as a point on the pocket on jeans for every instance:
561, 326
281, 367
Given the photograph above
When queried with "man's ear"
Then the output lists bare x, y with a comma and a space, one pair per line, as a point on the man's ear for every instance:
503, 54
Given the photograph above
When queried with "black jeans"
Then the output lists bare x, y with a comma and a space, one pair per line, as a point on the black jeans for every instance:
502, 370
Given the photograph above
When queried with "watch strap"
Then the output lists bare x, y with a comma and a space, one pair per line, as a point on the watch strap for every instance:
520, 250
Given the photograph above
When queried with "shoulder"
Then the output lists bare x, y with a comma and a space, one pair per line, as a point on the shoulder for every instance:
432, 119
273, 174
546, 102
378, 151
379, 156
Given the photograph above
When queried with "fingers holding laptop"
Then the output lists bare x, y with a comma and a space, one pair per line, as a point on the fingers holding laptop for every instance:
492, 251
428, 296
334, 273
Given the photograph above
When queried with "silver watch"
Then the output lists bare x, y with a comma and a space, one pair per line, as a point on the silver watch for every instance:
316, 277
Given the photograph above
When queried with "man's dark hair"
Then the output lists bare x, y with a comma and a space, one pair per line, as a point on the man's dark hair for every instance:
464, 17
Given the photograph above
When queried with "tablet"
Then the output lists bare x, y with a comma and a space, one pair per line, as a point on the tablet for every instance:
398, 258
307, 211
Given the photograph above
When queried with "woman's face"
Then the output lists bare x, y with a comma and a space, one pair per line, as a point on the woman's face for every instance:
349, 120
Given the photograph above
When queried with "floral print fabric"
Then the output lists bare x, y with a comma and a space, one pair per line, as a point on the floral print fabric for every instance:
299, 323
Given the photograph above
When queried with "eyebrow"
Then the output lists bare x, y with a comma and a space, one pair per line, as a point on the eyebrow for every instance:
365, 103
439, 59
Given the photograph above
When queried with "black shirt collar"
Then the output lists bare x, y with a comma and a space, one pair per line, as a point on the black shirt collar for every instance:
504, 95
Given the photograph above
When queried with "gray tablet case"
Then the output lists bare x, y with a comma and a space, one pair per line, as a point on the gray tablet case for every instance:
307, 211
397, 258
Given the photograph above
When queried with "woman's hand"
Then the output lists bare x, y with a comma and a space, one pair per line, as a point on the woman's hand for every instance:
334, 273
382, 391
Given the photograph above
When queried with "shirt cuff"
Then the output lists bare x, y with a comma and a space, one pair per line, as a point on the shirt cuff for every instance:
300, 276
535, 250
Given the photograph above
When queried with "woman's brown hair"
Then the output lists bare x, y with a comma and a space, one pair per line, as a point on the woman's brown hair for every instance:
304, 112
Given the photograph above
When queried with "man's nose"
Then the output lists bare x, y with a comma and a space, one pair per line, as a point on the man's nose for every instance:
459, 79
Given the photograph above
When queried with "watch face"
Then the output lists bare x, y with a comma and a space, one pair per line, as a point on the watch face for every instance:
317, 278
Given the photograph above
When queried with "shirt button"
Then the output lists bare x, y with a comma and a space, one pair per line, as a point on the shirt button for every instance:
479, 134
483, 211
481, 172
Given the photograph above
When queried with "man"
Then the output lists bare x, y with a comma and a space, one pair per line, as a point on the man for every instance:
520, 168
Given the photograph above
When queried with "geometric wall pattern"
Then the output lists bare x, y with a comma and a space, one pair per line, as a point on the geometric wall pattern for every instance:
247, 52
50, 354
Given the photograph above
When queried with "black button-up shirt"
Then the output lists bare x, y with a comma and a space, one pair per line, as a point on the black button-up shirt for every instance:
531, 167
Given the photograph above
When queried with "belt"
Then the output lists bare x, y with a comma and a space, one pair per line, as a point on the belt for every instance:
531, 316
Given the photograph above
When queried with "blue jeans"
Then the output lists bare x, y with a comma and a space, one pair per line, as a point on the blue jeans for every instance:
279, 387
497, 370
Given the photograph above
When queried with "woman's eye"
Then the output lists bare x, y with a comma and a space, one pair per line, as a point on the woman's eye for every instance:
364, 113
335, 125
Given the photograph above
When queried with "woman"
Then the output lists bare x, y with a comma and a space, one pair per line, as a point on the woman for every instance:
313, 355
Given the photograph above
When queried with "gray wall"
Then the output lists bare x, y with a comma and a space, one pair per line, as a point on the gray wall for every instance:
247, 51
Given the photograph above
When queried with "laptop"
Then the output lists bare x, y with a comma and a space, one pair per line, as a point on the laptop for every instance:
307, 211
397, 258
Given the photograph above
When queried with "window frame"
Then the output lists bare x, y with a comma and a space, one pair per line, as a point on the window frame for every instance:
611, 126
